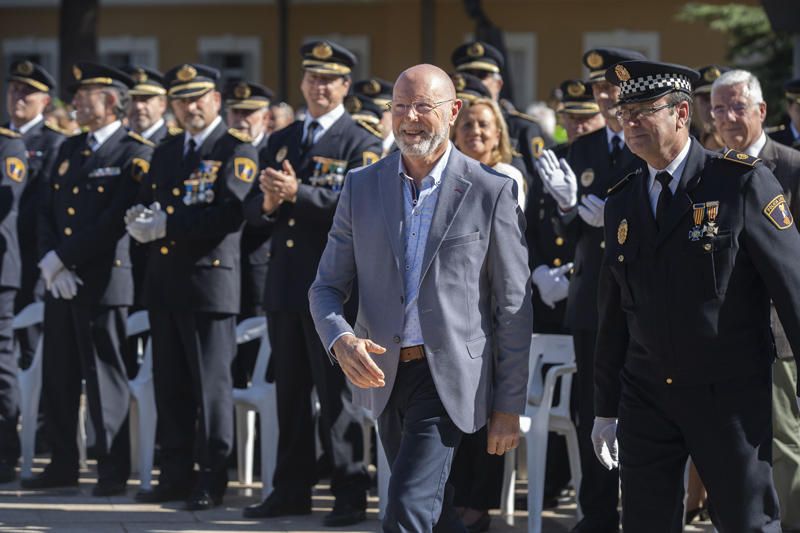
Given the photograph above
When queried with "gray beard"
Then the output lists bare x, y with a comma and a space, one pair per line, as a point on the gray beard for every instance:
424, 147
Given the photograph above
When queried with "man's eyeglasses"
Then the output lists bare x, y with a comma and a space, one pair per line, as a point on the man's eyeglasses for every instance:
721, 111
420, 108
633, 115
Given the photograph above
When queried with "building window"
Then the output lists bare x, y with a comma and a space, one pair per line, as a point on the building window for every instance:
41, 51
646, 42
235, 57
357, 44
124, 50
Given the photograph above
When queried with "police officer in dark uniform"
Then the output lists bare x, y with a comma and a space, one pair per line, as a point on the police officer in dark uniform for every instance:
306, 165
366, 113
247, 110
29, 93
697, 243
790, 133
379, 92
486, 62
13, 180
703, 126
148, 104
197, 184
594, 163
86, 267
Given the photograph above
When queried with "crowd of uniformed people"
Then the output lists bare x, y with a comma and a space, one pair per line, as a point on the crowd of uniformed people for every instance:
207, 204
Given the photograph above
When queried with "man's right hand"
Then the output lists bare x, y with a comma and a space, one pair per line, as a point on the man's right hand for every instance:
553, 285
353, 356
558, 178
604, 439
272, 199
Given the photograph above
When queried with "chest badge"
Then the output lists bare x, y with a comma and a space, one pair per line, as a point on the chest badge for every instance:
704, 216
622, 231
281, 155
587, 177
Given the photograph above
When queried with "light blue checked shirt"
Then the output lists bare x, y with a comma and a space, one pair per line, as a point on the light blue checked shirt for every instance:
418, 208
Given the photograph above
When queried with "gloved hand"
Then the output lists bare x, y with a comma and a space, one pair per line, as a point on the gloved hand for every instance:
558, 178
50, 265
149, 225
133, 212
553, 285
591, 210
604, 439
65, 285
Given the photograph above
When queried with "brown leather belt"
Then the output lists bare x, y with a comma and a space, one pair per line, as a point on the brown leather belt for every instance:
412, 353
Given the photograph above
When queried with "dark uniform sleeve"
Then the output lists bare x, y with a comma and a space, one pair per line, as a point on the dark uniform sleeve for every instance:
223, 216
318, 204
773, 244
83, 246
46, 231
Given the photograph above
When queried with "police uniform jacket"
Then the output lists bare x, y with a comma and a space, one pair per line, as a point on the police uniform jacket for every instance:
681, 309
255, 251
42, 143
590, 160
195, 267
83, 208
14, 174
527, 138
784, 162
300, 229
785, 137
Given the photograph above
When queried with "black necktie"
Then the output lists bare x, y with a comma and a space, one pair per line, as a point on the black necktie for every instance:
664, 198
191, 150
616, 149
309, 140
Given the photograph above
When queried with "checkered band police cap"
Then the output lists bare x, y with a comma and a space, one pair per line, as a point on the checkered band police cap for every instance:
640, 81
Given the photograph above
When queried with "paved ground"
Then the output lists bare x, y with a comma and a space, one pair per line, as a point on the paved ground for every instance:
75, 510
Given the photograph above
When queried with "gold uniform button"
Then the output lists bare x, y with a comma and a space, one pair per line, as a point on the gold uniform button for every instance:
164, 250
117, 262
290, 243
620, 258
75, 190
153, 186
100, 188
215, 262
67, 231
603, 245
70, 211
707, 247
56, 186
556, 262
669, 381
176, 192
559, 241
291, 222
170, 209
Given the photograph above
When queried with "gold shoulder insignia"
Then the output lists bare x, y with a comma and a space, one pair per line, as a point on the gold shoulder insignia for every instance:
9, 133
239, 135
139, 168
618, 186
367, 158
367, 126
769, 130
740, 157
136, 136
56, 129
777, 211
519, 114
174, 130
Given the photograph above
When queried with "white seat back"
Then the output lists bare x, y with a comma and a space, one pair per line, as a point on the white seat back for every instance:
548, 350
251, 329
32, 314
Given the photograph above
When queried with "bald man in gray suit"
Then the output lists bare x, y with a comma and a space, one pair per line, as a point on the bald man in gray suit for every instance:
440, 346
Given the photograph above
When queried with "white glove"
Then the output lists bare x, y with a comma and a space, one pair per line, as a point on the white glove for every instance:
591, 210
50, 265
149, 225
558, 178
553, 285
798, 403
604, 439
133, 212
65, 285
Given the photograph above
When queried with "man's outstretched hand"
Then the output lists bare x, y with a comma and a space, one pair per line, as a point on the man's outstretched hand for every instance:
353, 356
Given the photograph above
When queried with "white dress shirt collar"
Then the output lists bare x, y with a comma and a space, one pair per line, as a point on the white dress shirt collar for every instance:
28, 125
199, 138
258, 139
437, 171
795, 132
152, 129
104, 133
675, 169
754, 149
610, 134
325, 121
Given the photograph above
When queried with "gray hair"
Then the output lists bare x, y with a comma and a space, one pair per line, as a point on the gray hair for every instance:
121, 102
736, 77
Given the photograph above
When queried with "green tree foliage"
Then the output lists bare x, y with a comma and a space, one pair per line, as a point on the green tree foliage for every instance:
752, 45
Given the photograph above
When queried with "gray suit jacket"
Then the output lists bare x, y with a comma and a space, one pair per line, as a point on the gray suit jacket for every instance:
474, 297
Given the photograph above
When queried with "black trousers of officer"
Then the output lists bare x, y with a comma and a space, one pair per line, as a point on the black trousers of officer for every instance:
726, 427
86, 342
599, 490
420, 440
9, 392
300, 362
192, 354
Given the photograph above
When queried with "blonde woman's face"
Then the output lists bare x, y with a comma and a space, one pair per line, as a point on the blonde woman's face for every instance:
477, 133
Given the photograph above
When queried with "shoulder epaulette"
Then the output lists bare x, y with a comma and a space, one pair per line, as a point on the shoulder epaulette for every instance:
174, 130
239, 135
9, 133
774, 129
618, 186
522, 115
53, 127
369, 127
137, 137
740, 157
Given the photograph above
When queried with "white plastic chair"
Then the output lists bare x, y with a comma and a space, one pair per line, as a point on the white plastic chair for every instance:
143, 413
543, 414
259, 397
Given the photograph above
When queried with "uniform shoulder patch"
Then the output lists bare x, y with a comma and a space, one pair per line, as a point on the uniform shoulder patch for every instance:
174, 130
537, 146
239, 135
740, 157
367, 158
15, 169
369, 127
618, 186
56, 129
245, 169
523, 116
139, 169
777, 211
9, 133
137, 137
